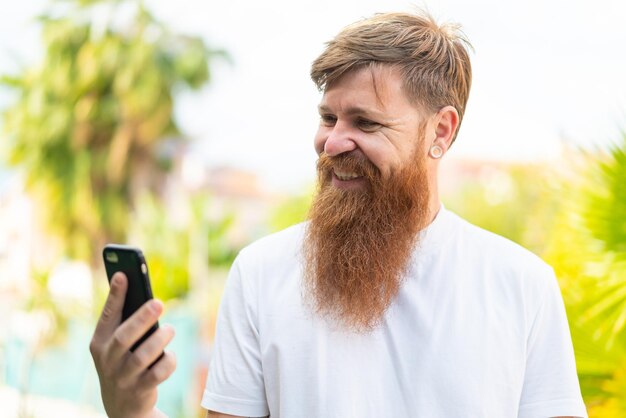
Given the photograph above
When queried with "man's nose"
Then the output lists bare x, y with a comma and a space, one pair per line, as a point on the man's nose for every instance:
339, 141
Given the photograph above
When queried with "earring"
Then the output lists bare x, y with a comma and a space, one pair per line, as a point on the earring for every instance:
435, 152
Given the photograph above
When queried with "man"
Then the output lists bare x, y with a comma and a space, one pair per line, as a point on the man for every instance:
384, 304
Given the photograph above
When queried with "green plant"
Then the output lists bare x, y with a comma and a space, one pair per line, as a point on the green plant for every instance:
290, 211
93, 123
516, 201
588, 250
180, 241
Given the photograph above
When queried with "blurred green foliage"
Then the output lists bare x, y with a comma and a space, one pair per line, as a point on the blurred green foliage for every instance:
92, 131
605, 209
93, 125
588, 250
181, 243
40, 301
290, 211
166, 246
221, 253
516, 201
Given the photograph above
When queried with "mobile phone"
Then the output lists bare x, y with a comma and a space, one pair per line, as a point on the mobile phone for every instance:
131, 262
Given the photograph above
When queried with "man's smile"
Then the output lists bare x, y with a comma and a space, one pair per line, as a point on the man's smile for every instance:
347, 180
345, 175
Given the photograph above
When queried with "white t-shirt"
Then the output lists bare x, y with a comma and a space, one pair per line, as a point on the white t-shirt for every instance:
478, 329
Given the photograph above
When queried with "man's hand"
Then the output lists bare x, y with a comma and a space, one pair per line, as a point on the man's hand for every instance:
128, 387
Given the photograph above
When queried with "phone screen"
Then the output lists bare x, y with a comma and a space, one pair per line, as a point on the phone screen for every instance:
131, 262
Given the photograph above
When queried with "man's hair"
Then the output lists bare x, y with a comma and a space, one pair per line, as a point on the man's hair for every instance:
432, 58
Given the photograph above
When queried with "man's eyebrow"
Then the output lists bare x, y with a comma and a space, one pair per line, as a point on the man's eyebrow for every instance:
355, 110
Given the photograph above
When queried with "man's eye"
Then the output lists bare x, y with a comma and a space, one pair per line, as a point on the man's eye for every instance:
367, 125
328, 120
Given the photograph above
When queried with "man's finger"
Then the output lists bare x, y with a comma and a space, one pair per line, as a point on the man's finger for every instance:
146, 354
159, 372
112, 312
134, 328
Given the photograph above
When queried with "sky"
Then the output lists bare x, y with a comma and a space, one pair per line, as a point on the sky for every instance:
546, 74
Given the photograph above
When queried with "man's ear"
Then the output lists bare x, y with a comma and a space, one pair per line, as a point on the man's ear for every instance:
445, 123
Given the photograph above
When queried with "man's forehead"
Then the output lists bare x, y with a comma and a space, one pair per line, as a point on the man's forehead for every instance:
369, 89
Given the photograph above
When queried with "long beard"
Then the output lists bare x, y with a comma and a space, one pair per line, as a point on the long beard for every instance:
358, 243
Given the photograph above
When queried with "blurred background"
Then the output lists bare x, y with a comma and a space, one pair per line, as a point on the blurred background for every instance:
185, 128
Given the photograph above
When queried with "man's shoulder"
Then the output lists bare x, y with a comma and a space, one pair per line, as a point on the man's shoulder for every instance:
499, 250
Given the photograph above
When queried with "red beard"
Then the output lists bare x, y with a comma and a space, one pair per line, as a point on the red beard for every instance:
358, 243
